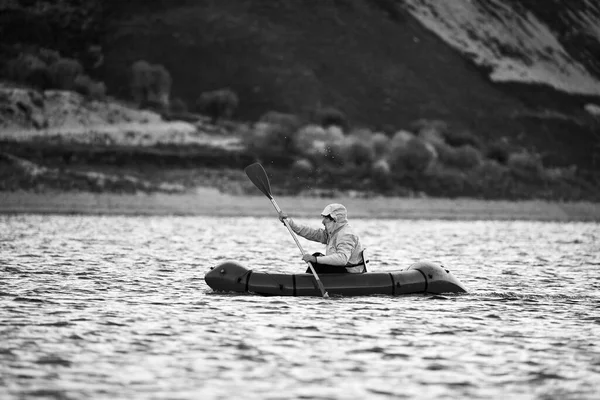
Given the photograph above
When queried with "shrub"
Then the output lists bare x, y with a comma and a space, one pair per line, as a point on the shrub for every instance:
63, 73
218, 104
362, 134
491, 179
160, 86
470, 157
290, 121
433, 137
381, 173
412, 156
310, 140
498, 151
357, 150
29, 69
94, 56
40, 78
150, 84
48, 56
446, 154
316, 142
332, 117
431, 131
18, 68
432, 151
381, 167
82, 83
490, 170
153, 105
141, 78
302, 167
380, 143
334, 154
525, 165
401, 138
335, 133
269, 142
90, 88
178, 105
462, 138
560, 173
386, 129
463, 158
442, 181
98, 91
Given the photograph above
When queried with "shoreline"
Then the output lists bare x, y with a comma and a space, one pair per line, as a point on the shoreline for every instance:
211, 202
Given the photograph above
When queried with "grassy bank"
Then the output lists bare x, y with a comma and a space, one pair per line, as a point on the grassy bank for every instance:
211, 202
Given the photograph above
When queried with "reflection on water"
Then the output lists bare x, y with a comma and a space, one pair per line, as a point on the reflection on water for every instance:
116, 307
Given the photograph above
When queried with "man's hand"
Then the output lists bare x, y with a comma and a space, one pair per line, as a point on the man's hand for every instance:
309, 258
282, 216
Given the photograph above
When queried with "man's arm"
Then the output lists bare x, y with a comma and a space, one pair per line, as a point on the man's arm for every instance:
343, 251
316, 235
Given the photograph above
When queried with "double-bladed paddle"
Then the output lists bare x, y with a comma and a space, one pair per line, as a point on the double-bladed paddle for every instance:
258, 176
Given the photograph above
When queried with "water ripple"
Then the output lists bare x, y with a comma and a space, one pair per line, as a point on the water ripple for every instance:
117, 307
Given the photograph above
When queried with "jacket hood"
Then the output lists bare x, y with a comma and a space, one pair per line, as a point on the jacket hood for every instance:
337, 211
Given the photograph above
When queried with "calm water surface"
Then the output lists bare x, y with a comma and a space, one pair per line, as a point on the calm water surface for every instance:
116, 307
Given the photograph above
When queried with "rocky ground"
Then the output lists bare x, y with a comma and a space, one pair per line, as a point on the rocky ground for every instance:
31, 115
47, 139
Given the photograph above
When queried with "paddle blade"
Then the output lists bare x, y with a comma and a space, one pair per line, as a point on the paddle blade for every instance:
258, 176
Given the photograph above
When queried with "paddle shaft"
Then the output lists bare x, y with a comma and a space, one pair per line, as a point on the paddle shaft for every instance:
287, 225
258, 176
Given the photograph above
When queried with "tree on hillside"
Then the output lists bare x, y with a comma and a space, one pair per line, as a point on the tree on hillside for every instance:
64, 72
218, 104
150, 84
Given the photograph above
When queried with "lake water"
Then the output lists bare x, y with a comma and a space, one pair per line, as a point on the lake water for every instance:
107, 307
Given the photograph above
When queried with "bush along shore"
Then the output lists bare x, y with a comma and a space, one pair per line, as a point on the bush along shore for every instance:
60, 130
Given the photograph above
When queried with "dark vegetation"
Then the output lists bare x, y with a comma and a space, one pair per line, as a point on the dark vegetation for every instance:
342, 95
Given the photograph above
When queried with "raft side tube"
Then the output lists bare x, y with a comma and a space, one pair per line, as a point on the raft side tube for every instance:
266, 283
358, 284
407, 282
335, 284
438, 279
345, 284
229, 277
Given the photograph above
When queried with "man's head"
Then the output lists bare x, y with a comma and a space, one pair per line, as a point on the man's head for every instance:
334, 214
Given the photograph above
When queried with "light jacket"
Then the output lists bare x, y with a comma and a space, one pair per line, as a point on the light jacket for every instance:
343, 245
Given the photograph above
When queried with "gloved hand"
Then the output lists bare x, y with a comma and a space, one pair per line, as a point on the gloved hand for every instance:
309, 258
282, 216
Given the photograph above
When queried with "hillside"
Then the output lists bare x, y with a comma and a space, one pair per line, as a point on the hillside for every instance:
375, 60
492, 71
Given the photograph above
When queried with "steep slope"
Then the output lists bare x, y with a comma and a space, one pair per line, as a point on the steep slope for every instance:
381, 62
520, 40
385, 63
296, 57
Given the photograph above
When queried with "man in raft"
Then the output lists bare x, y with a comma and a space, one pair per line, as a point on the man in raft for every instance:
343, 251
